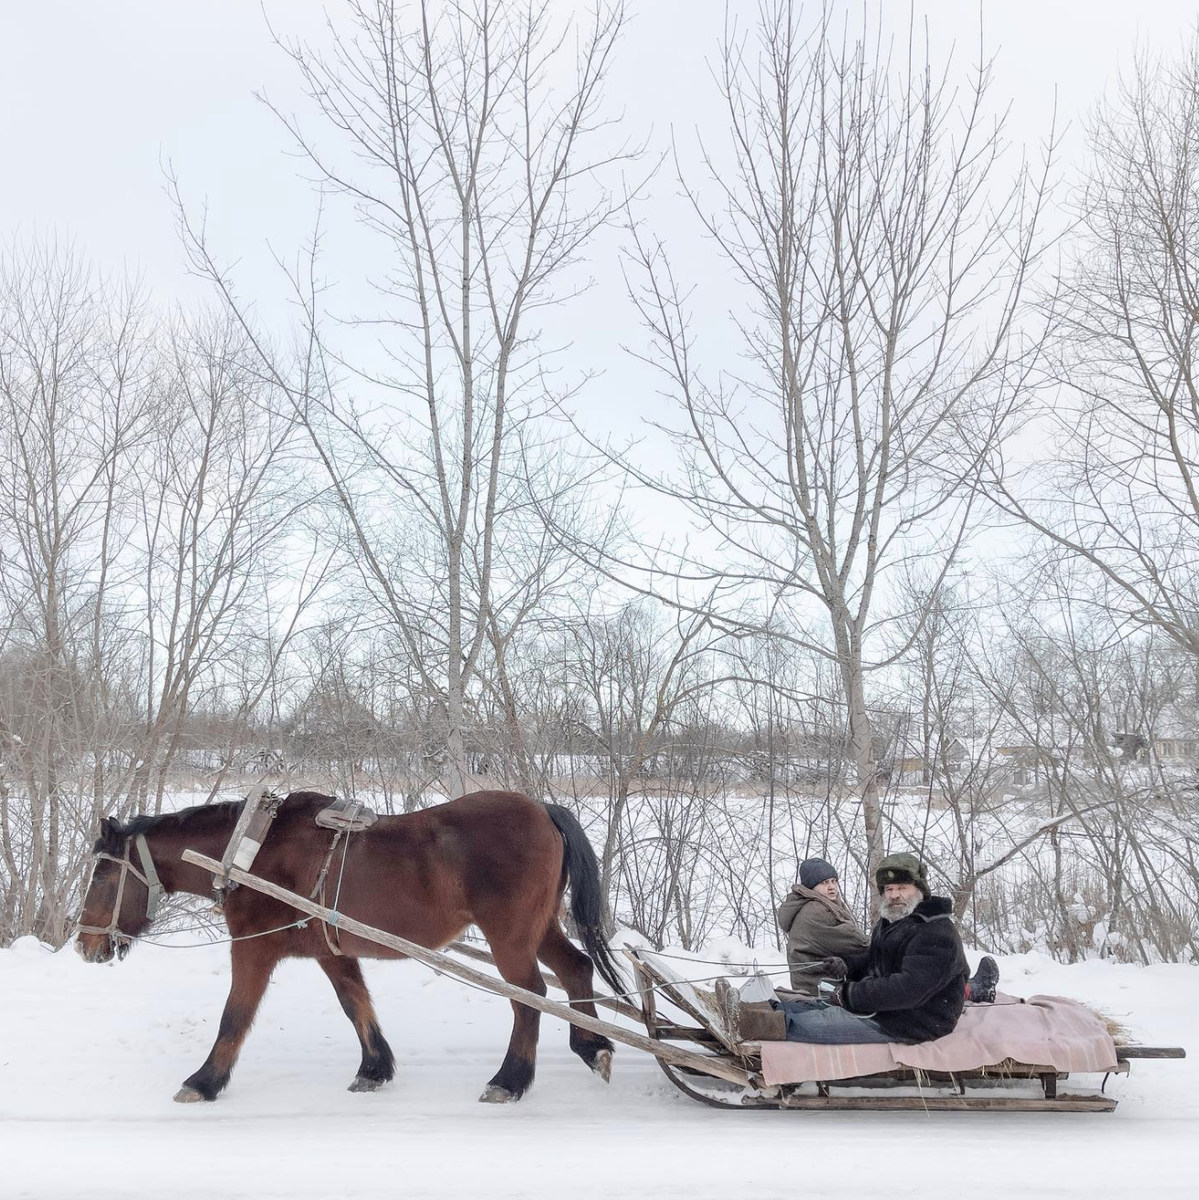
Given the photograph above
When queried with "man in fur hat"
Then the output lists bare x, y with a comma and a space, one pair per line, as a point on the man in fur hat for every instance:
908, 986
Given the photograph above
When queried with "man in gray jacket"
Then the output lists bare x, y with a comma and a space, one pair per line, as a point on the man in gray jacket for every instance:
818, 924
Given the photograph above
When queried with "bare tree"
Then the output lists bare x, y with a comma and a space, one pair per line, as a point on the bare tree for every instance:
216, 498
464, 132
74, 409
882, 254
143, 514
1117, 490
633, 677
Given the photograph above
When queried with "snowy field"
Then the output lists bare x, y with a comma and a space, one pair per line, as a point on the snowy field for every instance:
90, 1057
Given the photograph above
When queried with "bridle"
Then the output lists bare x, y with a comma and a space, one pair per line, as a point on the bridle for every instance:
148, 875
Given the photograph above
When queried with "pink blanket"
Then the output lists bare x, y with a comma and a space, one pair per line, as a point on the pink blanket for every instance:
1045, 1031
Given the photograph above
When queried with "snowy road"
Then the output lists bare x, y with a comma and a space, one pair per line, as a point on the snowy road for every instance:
91, 1055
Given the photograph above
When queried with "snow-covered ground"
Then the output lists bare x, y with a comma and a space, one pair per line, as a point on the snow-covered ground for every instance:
90, 1057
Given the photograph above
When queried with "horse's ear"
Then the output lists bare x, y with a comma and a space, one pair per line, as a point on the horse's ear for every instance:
105, 826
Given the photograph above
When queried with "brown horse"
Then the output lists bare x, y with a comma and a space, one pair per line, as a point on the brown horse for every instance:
495, 859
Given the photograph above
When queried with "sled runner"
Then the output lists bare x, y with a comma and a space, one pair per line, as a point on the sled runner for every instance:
946, 1074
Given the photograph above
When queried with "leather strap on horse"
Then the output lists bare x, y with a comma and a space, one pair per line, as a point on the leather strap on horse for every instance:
148, 875
318, 892
350, 817
153, 884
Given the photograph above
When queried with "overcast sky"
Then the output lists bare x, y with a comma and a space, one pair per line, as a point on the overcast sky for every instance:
96, 96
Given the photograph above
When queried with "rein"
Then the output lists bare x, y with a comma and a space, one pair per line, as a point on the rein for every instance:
148, 875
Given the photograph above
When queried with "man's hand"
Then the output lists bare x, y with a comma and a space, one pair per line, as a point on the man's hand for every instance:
835, 968
831, 993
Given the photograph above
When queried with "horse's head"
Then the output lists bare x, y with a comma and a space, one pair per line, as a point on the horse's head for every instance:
122, 896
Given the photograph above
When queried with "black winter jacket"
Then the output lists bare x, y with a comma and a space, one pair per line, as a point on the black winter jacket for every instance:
912, 979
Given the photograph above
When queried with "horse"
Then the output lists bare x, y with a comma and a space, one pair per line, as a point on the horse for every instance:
498, 860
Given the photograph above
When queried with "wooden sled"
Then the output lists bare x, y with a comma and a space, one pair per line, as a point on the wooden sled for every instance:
914, 1090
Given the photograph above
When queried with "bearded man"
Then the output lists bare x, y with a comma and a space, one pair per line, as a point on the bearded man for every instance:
908, 986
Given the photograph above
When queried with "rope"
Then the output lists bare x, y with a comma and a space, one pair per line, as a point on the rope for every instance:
303, 922
721, 962
333, 921
300, 923
225, 941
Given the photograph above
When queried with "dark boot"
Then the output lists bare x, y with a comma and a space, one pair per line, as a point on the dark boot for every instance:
981, 986
749, 1022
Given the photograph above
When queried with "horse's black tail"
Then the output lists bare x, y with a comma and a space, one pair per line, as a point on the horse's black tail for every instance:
586, 900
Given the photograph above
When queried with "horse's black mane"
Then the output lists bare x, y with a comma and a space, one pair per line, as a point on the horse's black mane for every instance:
199, 817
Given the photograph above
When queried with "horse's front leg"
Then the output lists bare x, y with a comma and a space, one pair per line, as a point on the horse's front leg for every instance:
378, 1063
253, 963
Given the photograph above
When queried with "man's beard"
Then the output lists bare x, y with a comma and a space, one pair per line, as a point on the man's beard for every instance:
896, 910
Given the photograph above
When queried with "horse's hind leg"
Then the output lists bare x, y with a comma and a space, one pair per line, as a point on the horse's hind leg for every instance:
575, 972
253, 963
518, 965
378, 1063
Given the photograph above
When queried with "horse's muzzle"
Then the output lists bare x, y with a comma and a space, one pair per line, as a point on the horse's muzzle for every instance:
96, 947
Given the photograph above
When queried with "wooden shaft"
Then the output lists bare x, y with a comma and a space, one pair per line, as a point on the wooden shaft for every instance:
719, 1068
481, 955
1150, 1051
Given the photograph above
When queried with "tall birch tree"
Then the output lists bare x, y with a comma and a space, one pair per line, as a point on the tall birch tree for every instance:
881, 247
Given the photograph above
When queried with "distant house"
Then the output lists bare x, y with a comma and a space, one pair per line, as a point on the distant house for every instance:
1176, 749
1175, 737
913, 767
1132, 746
1026, 762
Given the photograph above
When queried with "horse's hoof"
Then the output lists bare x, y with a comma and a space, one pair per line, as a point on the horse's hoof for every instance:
362, 1084
187, 1095
602, 1065
493, 1094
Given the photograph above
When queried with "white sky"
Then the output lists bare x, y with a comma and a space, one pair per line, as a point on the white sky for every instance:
94, 97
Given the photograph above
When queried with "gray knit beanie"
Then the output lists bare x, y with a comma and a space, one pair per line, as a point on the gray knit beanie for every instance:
815, 870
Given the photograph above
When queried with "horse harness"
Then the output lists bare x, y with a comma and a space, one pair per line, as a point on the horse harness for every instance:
341, 816
148, 875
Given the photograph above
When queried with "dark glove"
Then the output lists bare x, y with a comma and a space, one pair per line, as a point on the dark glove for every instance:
835, 968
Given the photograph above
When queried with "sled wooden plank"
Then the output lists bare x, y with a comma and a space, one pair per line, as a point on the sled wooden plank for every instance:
1150, 1051
720, 1068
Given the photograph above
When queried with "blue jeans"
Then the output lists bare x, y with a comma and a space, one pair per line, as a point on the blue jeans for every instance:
827, 1024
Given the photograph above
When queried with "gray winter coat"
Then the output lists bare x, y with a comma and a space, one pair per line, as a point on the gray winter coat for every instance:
816, 928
